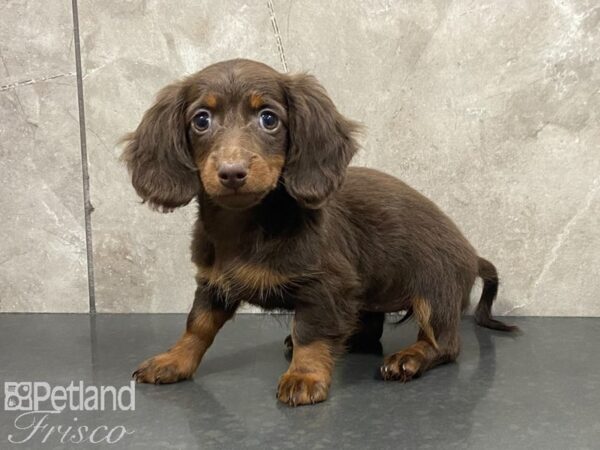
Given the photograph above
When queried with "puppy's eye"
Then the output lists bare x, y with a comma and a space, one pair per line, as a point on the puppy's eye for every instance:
268, 120
202, 120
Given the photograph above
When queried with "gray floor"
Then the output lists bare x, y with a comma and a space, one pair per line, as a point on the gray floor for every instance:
540, 389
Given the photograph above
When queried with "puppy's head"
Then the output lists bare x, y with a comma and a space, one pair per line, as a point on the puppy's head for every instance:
235, 130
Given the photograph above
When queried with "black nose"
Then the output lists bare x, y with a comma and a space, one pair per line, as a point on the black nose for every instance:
232, 176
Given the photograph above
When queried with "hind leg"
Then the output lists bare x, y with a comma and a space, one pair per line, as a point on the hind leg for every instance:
364, 340
438, 342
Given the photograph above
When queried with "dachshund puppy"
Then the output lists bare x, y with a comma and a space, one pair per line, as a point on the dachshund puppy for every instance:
284, 224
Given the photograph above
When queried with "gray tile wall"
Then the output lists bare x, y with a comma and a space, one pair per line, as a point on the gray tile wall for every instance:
490, 108
42, 236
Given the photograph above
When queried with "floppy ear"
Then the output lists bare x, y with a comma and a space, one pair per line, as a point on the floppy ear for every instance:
321, 142
158, 155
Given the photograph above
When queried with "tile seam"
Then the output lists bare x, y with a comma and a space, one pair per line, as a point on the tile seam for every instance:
88, 208
17, 84
278, 40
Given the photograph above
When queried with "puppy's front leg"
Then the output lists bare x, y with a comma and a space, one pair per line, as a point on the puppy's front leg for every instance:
181, 361
308, 377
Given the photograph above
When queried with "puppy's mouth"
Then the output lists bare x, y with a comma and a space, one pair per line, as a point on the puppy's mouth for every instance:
238, 200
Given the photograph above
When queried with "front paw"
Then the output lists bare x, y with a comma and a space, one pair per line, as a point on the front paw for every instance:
296, 388
165, 368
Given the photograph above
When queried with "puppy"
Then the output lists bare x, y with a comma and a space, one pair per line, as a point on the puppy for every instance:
284, 224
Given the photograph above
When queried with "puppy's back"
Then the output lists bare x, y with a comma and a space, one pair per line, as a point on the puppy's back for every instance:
392, 216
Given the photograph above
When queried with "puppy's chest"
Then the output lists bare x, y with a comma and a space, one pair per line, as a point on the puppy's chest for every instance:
250, 282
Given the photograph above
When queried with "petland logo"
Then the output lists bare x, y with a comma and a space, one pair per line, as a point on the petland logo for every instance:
38, 403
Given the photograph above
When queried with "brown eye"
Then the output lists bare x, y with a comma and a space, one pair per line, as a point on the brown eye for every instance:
268, 120
202, 120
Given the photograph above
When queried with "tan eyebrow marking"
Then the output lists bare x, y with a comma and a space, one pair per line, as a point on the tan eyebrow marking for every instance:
211, 101
256, 101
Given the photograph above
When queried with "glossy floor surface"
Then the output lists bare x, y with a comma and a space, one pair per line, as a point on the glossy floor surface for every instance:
540, 389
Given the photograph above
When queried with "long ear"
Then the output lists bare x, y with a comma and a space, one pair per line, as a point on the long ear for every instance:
158, 156
321, 142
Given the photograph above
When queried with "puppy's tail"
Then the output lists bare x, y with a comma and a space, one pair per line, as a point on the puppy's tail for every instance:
483, 312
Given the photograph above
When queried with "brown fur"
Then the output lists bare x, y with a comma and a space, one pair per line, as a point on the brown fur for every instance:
301, 231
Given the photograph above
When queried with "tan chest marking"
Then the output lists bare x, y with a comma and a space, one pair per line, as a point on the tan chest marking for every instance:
253, 277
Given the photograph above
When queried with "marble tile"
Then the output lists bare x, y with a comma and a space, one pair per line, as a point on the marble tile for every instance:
42, 240
490, 109
129, 51
36, 41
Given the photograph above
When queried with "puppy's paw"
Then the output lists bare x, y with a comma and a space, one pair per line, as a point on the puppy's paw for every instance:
296, 388
165, 368
402, 366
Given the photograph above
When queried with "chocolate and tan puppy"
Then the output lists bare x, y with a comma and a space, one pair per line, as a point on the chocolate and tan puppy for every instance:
284, 223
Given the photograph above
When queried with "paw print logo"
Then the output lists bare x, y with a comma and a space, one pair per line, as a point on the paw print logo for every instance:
18, 396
